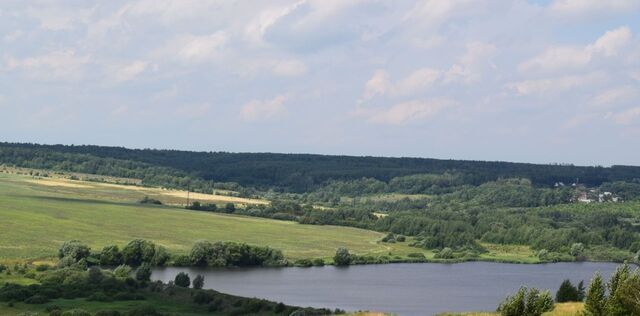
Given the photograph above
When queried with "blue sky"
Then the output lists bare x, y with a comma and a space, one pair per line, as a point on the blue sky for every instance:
531, 81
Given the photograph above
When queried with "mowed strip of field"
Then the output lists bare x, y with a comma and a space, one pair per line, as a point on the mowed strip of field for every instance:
35, 219
132, 193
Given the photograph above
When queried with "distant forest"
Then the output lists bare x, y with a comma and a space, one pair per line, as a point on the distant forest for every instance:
285, 172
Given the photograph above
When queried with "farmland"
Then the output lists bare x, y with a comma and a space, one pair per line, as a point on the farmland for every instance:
39, 217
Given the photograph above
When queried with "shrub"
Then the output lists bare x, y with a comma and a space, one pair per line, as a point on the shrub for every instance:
303, 263
203, 297
148, 200
143, 273
36, 299
445, 253
74, 249
76, 312
138, 251
108, 313
99, 297
2, 267
417, 255
182, 261
318, 262
40, 267
52, 308
95, 275
122, 271
342, 257
401, 238
182, 280
198, 282
146, 310
111, 256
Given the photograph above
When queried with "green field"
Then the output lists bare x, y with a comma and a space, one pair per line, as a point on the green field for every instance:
37, 219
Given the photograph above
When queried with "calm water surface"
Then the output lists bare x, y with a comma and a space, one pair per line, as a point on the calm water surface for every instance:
403, 289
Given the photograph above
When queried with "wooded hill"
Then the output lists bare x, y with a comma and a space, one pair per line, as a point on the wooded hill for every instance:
285, 172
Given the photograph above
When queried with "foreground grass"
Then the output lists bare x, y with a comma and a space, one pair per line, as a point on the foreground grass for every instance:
37, 219
561, 309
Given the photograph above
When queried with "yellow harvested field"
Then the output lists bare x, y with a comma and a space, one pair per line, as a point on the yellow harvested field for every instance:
59, 183
136, 192
214, 198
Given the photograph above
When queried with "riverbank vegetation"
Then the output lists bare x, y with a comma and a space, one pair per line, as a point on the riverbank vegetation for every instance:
72, 289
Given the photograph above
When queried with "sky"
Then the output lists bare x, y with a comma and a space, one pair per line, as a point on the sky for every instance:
554, 81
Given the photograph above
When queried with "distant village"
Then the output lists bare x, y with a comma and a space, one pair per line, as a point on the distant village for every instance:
586, 195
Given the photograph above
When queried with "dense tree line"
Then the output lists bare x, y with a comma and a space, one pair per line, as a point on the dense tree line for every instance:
289, 172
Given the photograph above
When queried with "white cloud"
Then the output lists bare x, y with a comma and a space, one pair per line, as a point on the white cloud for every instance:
405, 112
572, 57
626, 117
611, 42
432, 13
256, 29
196, 49
612, 97
193, 111
555, 58
58, 18
62, 64
379, 84
417, 81
592, 7
289, 68
553, 85
469, 67
263, 109
129, 71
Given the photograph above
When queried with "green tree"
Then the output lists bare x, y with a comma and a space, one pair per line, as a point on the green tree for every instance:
577, 250
526, 303
230, 208
581, 291
629, 294
111, 256
143, 273
615, 305
198, 282
74, 249
138, 251
160, 257
567, 292
122, 271
201, 253
95, 275
342, 257
182, 279
596, 300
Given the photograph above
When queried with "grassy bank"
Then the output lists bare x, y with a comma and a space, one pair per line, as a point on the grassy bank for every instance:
561, 309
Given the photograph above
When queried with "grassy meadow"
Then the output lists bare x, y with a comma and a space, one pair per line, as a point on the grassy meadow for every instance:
39, 214
37, 218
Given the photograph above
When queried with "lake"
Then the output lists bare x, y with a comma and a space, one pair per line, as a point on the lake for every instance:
403, 289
